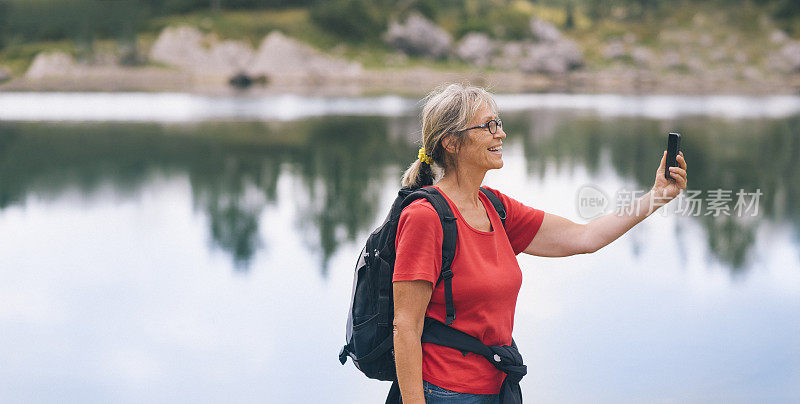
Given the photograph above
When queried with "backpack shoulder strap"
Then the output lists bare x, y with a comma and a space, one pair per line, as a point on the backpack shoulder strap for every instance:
497, 203
449, 241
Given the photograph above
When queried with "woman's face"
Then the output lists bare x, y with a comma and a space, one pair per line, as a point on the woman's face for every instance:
482, 149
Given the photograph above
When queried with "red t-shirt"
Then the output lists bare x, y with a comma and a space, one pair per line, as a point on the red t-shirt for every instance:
486, 282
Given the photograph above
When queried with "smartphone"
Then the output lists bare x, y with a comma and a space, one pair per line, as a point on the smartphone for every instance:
673, 147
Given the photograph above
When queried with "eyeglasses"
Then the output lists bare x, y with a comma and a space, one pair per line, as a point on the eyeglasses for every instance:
492, 125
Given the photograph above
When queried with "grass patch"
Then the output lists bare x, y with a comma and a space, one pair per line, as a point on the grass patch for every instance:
558, 15
251, 26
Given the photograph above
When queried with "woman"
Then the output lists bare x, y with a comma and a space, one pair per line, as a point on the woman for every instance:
462, 137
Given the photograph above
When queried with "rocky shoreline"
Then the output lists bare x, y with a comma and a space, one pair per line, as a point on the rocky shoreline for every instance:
410, 81
182, 59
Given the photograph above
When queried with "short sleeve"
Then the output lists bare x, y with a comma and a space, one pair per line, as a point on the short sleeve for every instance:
522, 221
418, 244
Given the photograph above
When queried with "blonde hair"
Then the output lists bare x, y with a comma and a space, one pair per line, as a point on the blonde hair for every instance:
448, 110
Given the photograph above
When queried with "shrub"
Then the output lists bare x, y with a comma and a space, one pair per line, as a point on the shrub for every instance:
352, 19
500, 23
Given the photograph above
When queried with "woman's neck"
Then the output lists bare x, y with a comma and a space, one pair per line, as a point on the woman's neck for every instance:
462, 187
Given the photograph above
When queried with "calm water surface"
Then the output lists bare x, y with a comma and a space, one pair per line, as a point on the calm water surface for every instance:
177, 248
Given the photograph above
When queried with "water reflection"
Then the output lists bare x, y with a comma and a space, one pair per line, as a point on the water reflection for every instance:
342, 162
343, 165
233, 169
748, 155
104, 264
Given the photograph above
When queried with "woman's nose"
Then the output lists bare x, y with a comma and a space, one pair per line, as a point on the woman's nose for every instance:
500, 134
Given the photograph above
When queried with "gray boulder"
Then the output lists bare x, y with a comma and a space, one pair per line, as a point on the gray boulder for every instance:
5, 75
625, 50
511, 53
280, 57
778, 37
476, 48
549, 52
787, 58
544, 31
229, 57
672, 60
557, 57
51, 64
720, 55
614, 50
791, 52
740, 57
180, 47
551, 58
696, 64
187, 48
419, 36
643, 57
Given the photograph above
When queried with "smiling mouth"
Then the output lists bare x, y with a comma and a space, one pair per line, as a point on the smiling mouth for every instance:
496, 148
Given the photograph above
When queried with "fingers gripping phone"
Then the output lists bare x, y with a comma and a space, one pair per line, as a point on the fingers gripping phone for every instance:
673, 147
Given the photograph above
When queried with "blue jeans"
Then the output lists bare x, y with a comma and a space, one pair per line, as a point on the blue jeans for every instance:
437, 395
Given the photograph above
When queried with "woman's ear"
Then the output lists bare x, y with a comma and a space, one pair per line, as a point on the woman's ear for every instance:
449, 143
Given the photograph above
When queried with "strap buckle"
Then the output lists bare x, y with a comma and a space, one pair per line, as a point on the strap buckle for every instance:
343, 354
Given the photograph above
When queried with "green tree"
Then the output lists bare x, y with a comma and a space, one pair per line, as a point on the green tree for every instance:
352, 19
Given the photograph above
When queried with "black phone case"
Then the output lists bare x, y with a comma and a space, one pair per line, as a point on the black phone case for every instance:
673, 147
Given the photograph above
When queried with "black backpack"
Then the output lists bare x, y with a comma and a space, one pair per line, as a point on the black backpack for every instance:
369, 323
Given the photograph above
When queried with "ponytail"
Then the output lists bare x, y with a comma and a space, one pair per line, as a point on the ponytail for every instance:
418, 175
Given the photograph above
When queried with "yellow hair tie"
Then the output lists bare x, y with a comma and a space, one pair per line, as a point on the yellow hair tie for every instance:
424, 157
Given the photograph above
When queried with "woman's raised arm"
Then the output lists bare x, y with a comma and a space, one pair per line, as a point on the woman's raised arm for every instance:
560, 237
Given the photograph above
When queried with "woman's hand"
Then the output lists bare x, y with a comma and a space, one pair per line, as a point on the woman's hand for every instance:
667, 189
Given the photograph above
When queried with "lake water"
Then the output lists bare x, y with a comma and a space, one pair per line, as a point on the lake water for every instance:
181, 248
